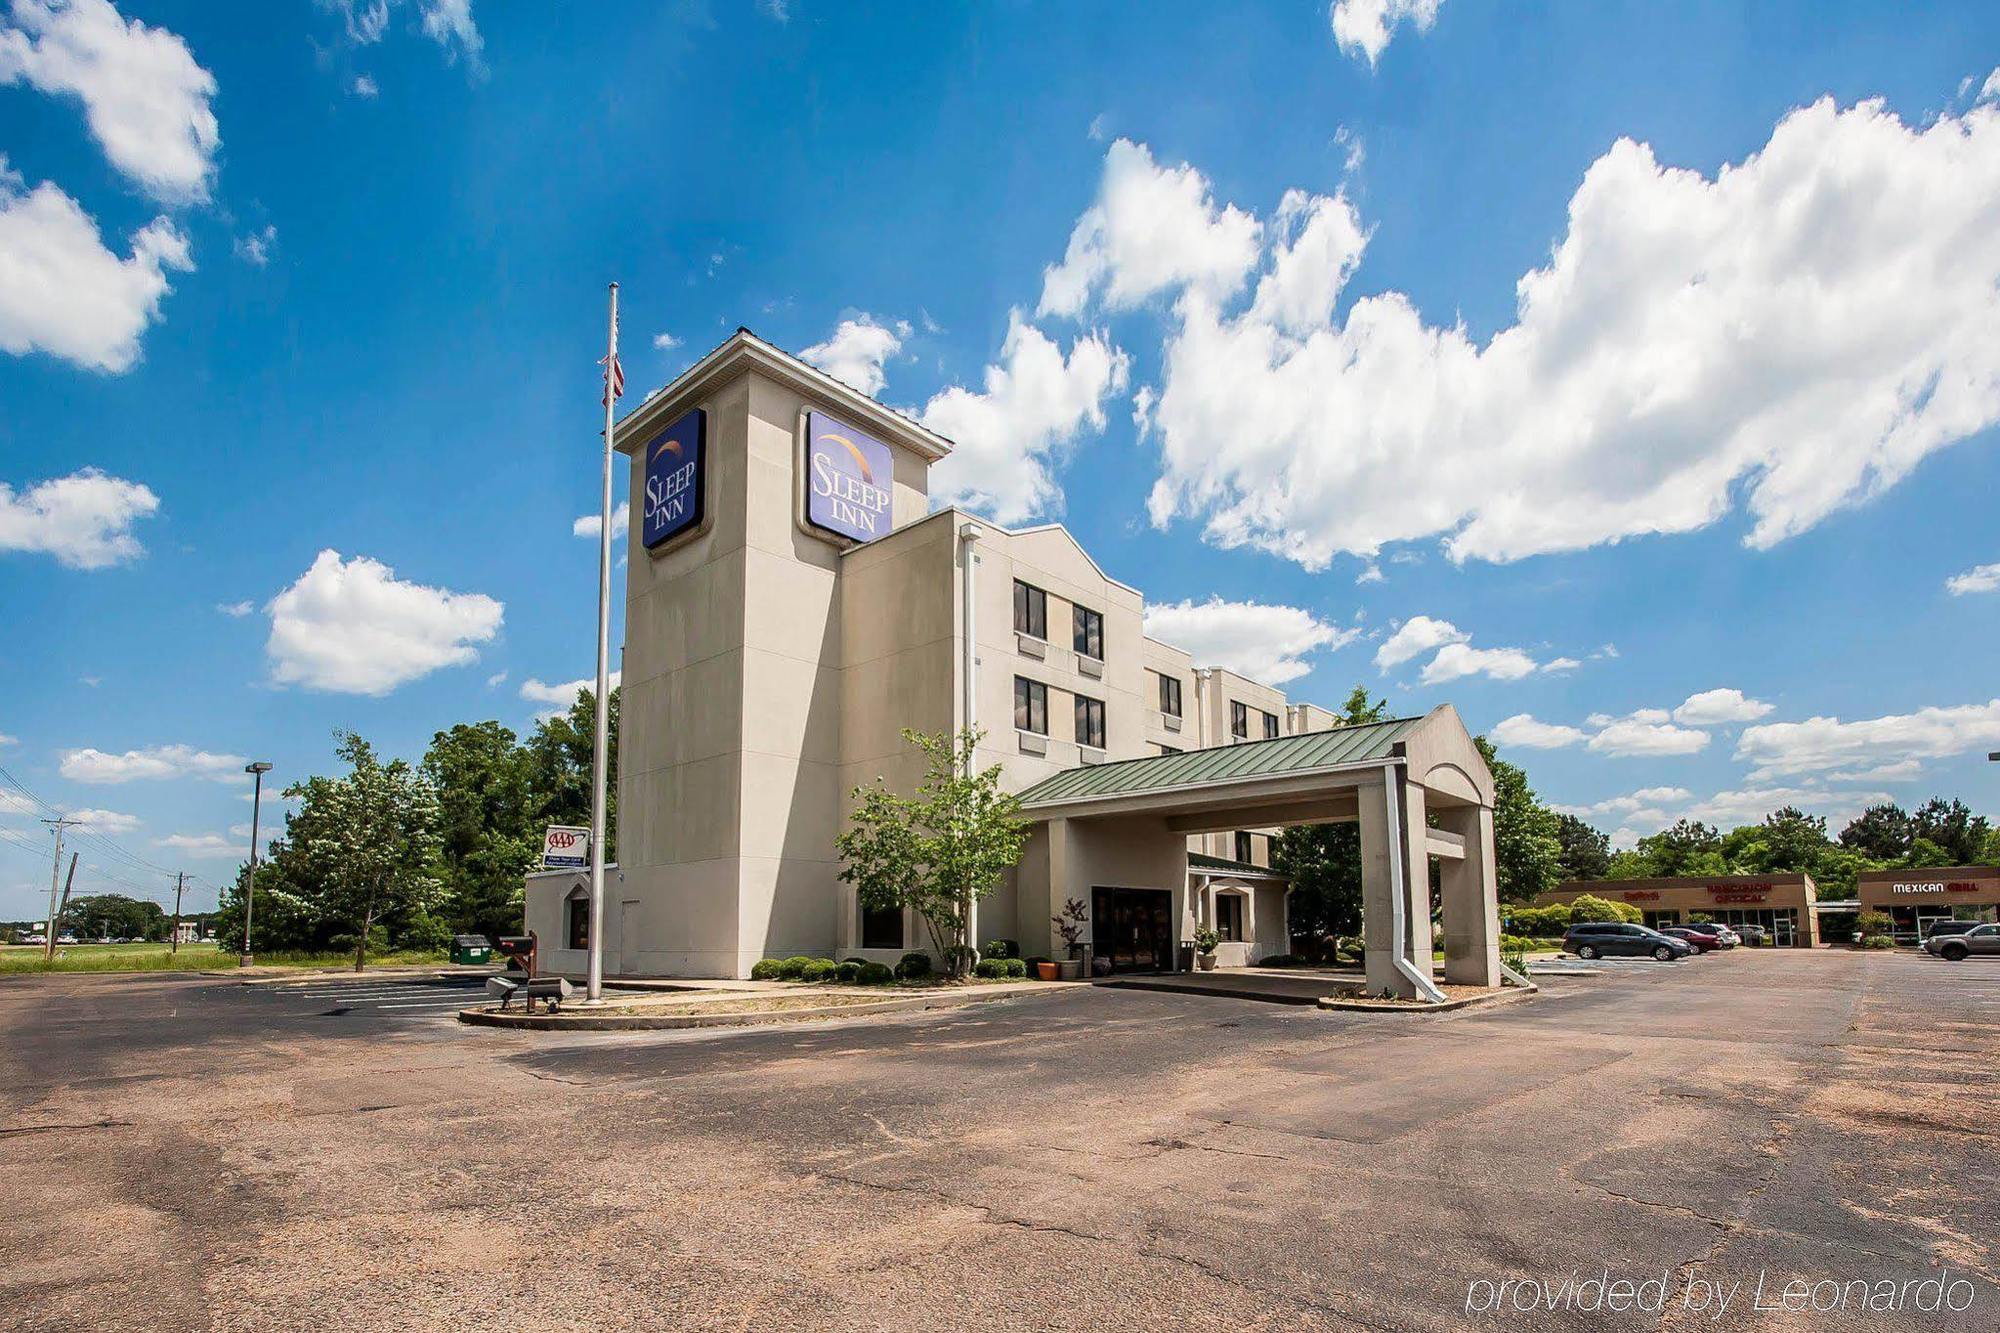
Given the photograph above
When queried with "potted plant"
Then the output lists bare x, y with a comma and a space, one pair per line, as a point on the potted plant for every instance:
1205, 940
1069, 924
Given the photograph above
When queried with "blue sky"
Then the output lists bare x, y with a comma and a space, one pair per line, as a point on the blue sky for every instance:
1237, 293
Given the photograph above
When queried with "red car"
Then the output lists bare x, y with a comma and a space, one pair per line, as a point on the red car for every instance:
1702, 941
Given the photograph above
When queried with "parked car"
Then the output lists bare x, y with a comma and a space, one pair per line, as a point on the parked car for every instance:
1614, 939
1938, 928
1753, 935
1702, 942
1982, 939
1724, 935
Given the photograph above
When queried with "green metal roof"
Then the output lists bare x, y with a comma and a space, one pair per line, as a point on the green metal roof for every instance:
1370, 742
1203, 861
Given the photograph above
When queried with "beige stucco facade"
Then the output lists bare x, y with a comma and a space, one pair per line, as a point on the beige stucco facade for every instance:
1781, 902
770, 667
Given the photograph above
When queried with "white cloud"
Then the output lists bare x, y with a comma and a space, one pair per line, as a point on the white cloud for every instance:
856, 350
62, 292
1980, 578
1415, 637
1264, 642
255, 249
1558, 665
665, 342
1990, 88
778, 11
1034, 403
1655, 371
105, 821
1457, 660
1749, 805
1820, 744
1715, 707
236, 609
449, 23
205, 846
144, 97
1647, 732
353, 627
1522, 730
1151, 229
1363, 27
589, 525
1371, 574
1318, 247
152, 763
558, 698
84, 520
363, 86
497, 678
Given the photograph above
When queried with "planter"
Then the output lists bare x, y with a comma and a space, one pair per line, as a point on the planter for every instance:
1046, 971
1205, 961
1070, 969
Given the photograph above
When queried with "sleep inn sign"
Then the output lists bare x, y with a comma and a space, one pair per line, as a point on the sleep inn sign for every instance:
675, 461
848, 475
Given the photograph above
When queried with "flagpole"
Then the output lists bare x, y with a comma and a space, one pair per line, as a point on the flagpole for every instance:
601, 740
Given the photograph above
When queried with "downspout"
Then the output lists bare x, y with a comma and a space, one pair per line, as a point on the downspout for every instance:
1398, 921
968, 545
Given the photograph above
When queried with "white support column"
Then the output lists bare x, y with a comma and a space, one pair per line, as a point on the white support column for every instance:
1471, 901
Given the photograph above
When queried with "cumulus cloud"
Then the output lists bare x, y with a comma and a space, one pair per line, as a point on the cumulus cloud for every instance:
84, 520
1264, 642
855, 352
558, 698
1980, 578
1715, 707
1415, 637
1455, 661
1647, 733
665, 342
1363, 27
363, 86
1523, 731
1789, 333
105, 821
1150, 230
1008, 435
205, 846
1820, 744
152, 763
353, 627
144, 97
63, 292
589, 525
255, 249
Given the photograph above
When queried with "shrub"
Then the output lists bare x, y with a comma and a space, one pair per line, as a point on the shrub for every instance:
1878, 942
1002, 949
913, 966
1516, 961
1590, 907
819, 969
793, 968
848, 972
1874, 923
1015, 968
1539, 921
1278, 960
876, 974
991, 969
766, 969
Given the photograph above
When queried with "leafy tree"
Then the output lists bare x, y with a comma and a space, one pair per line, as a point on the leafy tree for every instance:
1323, 861
1586, 852
488, 829
113, 915
1357, 711
937, 852
1790, 839
560, 753
1690, 847
1882, 832
1527, 841
1951, 827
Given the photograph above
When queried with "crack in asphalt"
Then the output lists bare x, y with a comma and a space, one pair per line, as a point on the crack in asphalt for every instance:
58, 1128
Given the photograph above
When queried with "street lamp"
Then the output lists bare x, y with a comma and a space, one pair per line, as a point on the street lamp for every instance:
256, 772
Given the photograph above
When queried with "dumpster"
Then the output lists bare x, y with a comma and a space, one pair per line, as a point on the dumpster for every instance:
471, 949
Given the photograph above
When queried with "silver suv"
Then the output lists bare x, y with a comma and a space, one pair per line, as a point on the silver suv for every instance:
1984, 940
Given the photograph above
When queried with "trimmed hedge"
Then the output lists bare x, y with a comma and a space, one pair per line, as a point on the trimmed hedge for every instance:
766, 969
1002, 949
819, 969
914, 966
876, 974
1001, 969
849, 972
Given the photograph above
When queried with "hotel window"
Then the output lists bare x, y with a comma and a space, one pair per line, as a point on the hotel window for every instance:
1270, 726
1031, 611
881, 927
1170, 695
1089, 632
1031, 705
1244, 848
1229, 916
1239, 720
579, 922
1090, 722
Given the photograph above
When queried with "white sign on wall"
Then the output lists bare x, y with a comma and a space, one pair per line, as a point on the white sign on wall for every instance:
565, 847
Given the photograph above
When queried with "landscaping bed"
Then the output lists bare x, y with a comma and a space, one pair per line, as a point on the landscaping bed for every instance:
1455, 997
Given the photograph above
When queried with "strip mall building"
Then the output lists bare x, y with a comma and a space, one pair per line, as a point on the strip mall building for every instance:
793, 602
1914, 899
1781, 903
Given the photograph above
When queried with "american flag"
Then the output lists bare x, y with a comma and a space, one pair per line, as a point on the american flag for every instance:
614, 378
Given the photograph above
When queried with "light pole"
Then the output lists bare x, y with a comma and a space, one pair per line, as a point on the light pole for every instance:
256, 772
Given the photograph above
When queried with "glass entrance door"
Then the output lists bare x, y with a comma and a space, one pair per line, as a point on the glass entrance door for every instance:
1133, 928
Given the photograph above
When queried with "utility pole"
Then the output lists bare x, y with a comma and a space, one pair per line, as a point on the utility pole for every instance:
174, 940
59, 823
256, 772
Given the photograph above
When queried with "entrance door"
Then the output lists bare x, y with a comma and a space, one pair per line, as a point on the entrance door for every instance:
628, 938
1133, 928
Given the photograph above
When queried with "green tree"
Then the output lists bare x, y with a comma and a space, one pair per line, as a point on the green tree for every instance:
1690, 847
1586, 851
560, 754
115, 916
1323, 861
1881, 832
937, 852
488, 808
1950, 826
1789, 839
1527, 840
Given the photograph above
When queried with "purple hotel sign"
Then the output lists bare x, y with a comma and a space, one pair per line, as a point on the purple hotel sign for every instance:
676, 459
847, 479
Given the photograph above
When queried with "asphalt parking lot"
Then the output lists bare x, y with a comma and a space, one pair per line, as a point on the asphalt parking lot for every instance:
185, 1153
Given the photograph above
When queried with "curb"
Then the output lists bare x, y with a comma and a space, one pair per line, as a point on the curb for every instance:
588, 1022
1512, 995
1225, 992
303, 975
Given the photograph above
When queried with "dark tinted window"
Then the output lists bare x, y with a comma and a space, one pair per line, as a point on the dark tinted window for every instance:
1170, 695
882, 928
1031, 706
1089, 627
1270, 726
1239, 721
1031, 610
1090, 722
579, 923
